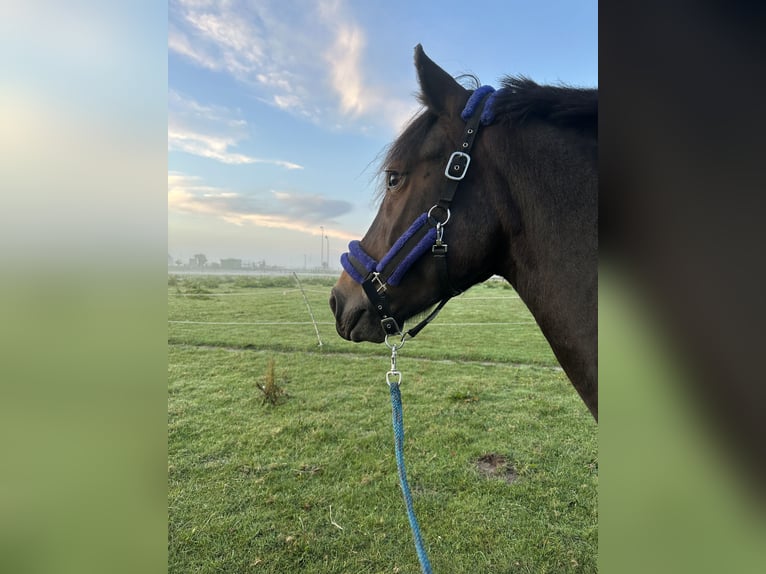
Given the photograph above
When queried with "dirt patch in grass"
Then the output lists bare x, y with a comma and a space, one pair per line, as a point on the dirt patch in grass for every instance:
493, 465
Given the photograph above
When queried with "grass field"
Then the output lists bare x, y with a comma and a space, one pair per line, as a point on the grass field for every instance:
501, 453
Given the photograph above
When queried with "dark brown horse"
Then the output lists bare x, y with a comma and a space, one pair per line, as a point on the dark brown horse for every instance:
519, 200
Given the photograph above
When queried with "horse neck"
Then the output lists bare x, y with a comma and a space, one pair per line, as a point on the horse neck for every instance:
552, 252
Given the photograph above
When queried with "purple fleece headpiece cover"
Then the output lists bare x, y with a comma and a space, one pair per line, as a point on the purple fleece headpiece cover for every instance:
488, 114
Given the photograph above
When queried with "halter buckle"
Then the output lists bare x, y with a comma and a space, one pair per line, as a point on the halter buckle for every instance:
390, 326
381, 286
457, 166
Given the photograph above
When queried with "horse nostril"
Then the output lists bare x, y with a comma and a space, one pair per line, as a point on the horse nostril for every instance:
333, 301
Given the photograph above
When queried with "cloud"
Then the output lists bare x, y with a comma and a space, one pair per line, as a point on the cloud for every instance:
306, 59
273, 209
359, 97
345, 68
211, 132
314, 207
254, 42
180, 43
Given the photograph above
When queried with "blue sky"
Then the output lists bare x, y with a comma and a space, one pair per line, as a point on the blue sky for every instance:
279, 109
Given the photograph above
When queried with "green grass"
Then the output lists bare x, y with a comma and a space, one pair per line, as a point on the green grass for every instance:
309, 485
243, 312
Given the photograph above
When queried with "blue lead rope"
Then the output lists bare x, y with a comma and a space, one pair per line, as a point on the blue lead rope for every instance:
396, 408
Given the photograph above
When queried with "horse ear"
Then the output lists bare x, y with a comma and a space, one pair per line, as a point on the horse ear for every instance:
439, 91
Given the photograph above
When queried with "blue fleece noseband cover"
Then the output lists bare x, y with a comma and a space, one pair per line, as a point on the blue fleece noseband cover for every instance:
372, 266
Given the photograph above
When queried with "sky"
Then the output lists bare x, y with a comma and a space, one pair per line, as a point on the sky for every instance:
279, 110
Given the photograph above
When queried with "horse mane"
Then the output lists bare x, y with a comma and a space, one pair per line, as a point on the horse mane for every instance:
522, 99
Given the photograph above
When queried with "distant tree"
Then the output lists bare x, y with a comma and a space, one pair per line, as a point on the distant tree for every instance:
200, 260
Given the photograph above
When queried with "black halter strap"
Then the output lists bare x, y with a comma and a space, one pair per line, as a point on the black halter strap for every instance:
458, 163
456, 169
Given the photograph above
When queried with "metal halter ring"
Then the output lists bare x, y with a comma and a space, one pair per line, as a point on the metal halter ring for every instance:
396, 346
440, 207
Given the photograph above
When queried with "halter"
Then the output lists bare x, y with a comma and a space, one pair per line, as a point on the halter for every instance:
427, 231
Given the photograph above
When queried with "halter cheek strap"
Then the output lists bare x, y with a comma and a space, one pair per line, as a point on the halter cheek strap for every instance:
426, 231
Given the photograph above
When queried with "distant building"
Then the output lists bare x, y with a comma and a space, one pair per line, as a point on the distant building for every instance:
231, 264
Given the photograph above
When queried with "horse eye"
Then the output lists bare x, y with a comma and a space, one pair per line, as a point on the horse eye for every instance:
394, 180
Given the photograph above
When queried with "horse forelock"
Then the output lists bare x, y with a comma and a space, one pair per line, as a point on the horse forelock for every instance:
407, 149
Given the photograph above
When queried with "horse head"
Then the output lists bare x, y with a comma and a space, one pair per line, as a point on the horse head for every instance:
461, 231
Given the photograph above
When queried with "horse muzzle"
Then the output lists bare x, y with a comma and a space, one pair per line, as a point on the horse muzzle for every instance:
355, 319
